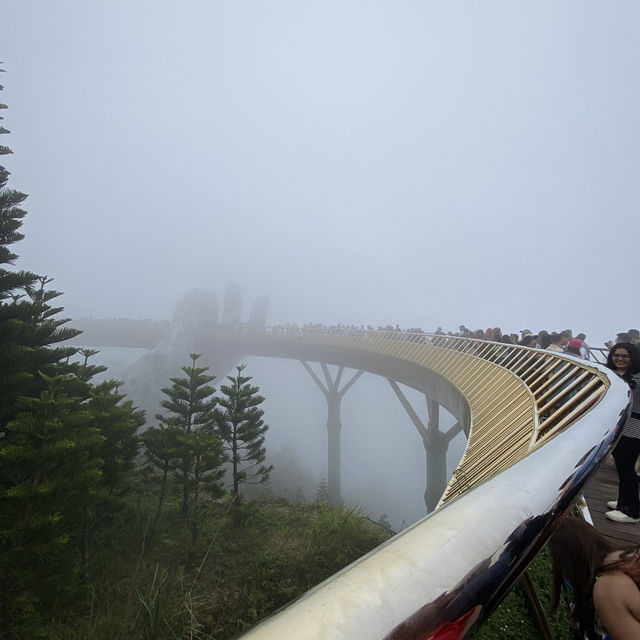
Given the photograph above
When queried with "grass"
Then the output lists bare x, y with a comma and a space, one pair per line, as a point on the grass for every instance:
148, 584
250, 561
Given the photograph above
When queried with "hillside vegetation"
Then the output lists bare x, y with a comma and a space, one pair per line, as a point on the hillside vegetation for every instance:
149, 583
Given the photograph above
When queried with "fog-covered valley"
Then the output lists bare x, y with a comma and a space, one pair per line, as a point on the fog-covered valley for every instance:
383, 459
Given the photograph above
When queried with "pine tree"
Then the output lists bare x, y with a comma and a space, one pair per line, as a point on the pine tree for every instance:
50, 442
28, 326
32, 491
13, 283
51, 470
195, 456
206, 473
160, 447
116, 418
118, 421
240, 426
11, 216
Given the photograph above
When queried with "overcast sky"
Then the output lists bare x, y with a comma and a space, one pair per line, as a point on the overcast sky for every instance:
411, 162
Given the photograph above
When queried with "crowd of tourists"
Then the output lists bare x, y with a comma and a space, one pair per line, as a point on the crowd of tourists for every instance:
558, 341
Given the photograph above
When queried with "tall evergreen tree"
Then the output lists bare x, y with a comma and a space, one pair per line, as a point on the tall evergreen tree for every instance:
116, 418
13, 283
28, 326
239, 424
51, 444
50, 471
118, 421
206, 472
190, 404
27, 482
161, 450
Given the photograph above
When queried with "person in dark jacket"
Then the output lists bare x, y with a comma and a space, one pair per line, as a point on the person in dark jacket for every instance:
624, 359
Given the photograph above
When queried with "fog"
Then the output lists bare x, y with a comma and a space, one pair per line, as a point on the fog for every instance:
411, 163
383, 459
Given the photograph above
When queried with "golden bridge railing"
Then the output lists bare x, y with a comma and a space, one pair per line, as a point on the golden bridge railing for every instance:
450, 570
518, 397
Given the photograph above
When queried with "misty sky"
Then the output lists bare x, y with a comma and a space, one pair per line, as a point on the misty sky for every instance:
411, 162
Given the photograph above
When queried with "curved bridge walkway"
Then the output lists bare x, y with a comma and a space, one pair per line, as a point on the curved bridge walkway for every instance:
508, 399
600, 488
539, 425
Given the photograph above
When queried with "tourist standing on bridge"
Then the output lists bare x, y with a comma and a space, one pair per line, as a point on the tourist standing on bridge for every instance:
529, 340
544, 338
558, 343
584, 350
574, 348
601, 582
624, 359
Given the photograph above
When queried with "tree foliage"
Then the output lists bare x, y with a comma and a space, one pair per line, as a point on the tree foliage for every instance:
160, 448
51, 470
184, 441
118, 421
63, 443
239, 424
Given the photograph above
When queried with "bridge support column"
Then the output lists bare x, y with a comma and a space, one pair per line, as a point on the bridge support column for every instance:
334, 447
334, 425
436, 445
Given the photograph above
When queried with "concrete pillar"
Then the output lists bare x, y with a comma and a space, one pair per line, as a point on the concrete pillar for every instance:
334, 425
334, 447
435, 448
436, 445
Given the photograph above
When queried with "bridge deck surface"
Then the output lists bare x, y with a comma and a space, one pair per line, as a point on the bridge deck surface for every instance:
601, 488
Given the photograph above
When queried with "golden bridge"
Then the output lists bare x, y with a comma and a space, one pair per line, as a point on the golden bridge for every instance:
538, 425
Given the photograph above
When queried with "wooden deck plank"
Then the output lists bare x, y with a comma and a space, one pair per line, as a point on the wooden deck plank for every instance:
603, 486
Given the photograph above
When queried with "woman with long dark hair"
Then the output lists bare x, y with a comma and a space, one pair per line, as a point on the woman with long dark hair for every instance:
601, 581
624, 359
